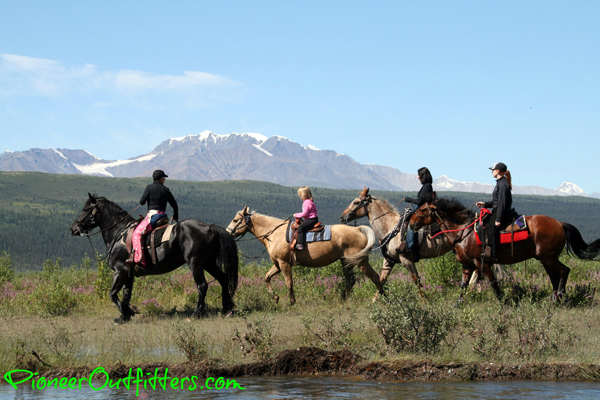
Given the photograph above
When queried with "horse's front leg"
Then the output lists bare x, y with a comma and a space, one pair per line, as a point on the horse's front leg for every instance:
464, 284
272, 272
386, 270
119, 279
126, 308
372, 275
489, 273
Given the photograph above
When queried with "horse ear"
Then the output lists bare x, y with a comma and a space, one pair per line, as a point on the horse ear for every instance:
245, 210
365, 192
92, 198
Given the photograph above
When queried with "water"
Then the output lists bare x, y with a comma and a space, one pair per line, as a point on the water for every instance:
291, 387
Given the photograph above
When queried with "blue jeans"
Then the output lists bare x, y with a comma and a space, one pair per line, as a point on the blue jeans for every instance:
410, 238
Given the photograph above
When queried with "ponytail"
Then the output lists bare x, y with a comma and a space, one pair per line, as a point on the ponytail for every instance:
508, 178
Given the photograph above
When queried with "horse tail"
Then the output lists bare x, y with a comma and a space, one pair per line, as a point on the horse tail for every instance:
577, 246
370, 234
227, 259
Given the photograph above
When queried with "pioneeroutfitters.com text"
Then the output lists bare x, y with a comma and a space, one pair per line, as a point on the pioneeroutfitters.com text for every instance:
99, 380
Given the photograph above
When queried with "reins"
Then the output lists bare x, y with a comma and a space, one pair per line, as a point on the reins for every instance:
109, 249
248, 220
484, 211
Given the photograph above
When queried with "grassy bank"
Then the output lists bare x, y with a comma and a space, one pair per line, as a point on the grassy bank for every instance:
62, 318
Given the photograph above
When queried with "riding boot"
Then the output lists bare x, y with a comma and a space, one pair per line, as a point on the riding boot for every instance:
415, 252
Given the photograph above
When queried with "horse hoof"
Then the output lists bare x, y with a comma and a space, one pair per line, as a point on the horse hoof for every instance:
276, 298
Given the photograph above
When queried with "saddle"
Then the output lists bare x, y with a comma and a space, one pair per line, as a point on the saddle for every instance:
292, 233
516, 232
160, 233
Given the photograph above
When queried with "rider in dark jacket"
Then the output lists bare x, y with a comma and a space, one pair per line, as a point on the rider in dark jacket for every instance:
157, 195
501, 205
424, 194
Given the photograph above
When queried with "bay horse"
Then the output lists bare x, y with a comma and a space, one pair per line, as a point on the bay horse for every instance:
384, 219
547, 239
349, 244
199, 245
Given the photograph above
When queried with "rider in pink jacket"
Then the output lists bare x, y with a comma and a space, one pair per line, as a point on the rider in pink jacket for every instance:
309, 213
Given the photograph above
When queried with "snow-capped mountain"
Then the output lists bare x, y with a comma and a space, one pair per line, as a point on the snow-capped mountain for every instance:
571, 189
248, 156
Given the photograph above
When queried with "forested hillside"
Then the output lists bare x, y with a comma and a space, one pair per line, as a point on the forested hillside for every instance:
37, 209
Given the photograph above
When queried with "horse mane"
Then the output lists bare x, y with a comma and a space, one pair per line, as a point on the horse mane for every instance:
386, 204
453, 209
111, 207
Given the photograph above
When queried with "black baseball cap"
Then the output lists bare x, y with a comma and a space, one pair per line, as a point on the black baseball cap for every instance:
499, 166
158, 174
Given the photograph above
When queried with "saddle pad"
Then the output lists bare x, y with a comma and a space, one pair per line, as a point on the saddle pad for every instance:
321, 236
507, 237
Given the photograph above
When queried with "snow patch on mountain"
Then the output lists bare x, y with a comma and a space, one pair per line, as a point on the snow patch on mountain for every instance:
263, 150
100, 168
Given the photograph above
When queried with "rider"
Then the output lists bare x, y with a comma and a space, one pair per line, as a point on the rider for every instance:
502, 207
157, 195
309, 213
424, 194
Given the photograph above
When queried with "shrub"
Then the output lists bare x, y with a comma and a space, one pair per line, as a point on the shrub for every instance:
7, 271
443, 271
258, 340
103, 280
407, 324
328, 330
55, 299
192, 344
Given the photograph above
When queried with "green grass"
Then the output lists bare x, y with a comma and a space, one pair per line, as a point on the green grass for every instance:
65, 316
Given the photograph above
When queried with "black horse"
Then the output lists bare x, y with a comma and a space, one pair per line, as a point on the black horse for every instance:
201, 246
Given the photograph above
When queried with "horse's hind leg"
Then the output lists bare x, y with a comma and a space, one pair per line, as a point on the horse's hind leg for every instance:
272, 272
558, 273
348, 270
289, 282
221, 277
202, 286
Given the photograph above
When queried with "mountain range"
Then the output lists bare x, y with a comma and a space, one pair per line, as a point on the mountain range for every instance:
249, 156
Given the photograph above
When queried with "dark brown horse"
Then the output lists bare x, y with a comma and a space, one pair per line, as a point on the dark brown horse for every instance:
547, 239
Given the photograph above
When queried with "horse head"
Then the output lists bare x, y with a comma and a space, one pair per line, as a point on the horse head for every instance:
357, 208
86, 221
240, 223
424, 215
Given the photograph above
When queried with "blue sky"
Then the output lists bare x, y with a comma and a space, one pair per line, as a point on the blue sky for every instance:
451, 85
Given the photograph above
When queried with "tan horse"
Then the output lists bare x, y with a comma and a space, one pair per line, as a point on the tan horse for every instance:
349, 244
383, 219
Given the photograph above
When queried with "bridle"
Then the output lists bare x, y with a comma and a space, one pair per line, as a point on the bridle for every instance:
363, 203
247, 218
92, 216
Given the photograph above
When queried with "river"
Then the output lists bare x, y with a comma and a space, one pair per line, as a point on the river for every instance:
290, 387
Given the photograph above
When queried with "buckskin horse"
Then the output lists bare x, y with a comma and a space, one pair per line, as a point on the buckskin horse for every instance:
385, 221
547, 238
349, 244
199, 245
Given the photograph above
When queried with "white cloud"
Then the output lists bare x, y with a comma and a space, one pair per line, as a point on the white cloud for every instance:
37, 76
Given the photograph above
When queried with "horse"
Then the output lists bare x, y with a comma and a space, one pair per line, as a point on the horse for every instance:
349, 244
199, 245
547, 239
385, 221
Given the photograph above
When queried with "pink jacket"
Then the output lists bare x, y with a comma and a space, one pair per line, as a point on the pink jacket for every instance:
309, 210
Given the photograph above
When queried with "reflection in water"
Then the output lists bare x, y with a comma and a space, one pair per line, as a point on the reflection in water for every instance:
288, 387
